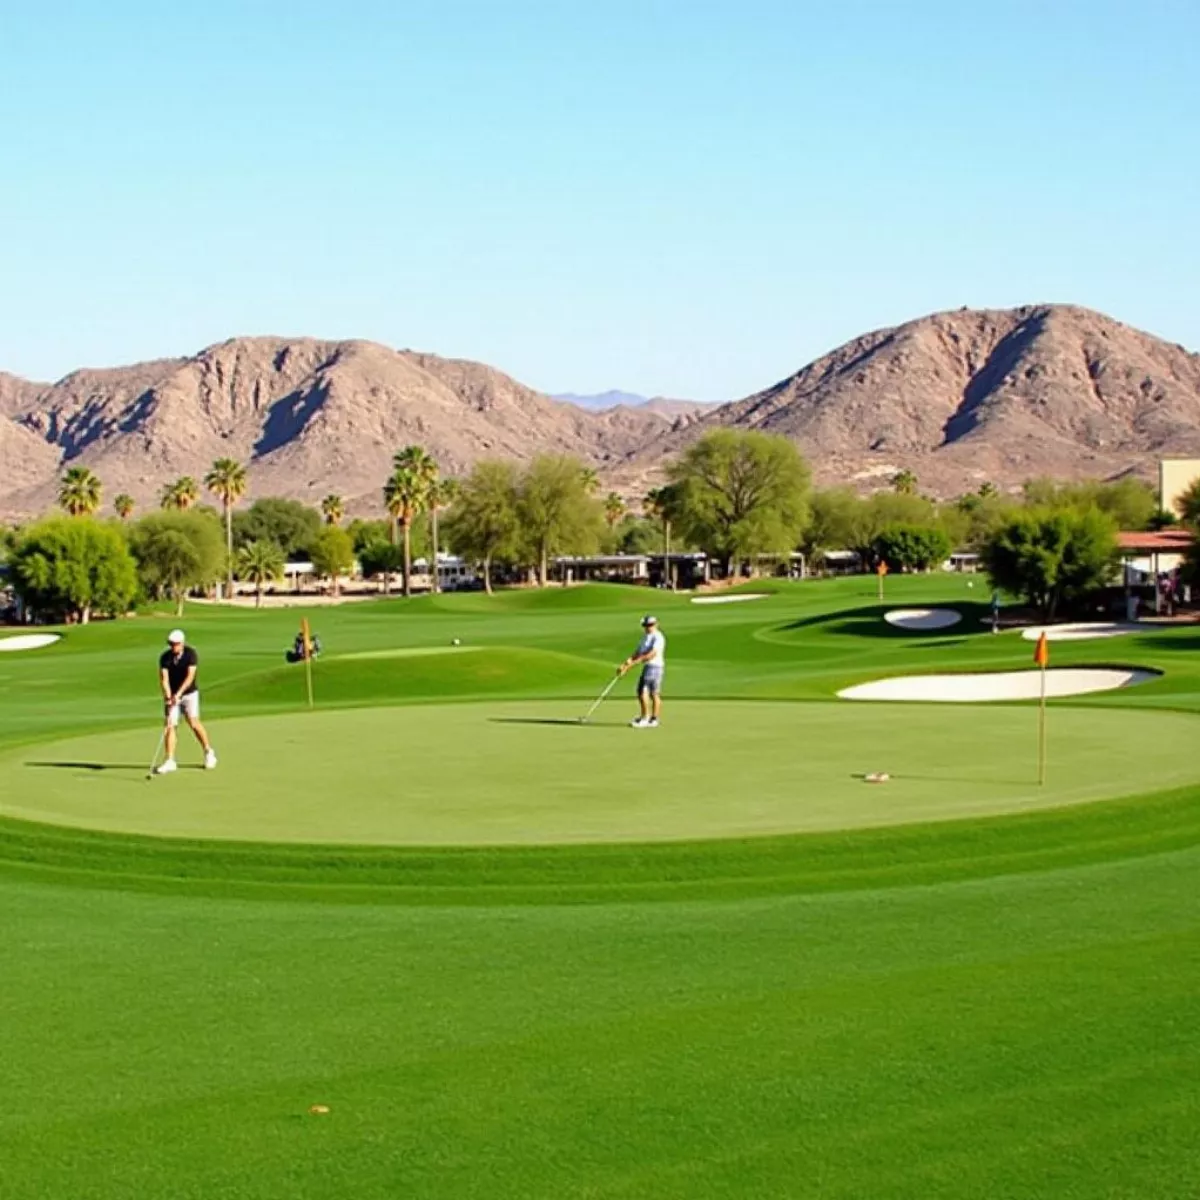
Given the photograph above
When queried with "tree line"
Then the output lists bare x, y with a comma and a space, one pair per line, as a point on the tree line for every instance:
740, 497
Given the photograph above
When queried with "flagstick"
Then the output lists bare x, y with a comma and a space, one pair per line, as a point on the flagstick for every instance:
1042, 733
307, 635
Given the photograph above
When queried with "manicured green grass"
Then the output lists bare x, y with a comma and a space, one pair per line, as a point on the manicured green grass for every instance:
983, 1006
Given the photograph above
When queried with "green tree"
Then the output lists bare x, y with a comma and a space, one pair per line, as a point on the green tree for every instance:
123, 506
905, 482
664, 505
177, 552
180, 495
558, 515
591, 479
226, 480
79, 492
333, 554
1188, 505
614, 509
988, 491
484, 526
1052, 556
68, 568
332, 509
882, 509
290, 524
260, 563
742, 494
379, 556
836, 514
912, 547
405, 494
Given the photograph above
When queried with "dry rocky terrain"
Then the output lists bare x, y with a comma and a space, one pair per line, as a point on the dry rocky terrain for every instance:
959, 397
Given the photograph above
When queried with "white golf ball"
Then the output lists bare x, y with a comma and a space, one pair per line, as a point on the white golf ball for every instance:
456, 642
970, 583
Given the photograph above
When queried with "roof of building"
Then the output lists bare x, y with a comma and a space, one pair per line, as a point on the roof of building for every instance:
1157, 541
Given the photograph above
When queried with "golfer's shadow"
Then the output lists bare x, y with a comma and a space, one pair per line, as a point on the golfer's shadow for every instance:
95, 766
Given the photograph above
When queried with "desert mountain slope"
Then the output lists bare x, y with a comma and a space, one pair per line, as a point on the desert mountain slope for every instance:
958, 397
967, 396
308, 417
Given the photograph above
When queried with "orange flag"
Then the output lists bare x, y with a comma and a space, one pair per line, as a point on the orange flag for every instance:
304, 633
1041, 655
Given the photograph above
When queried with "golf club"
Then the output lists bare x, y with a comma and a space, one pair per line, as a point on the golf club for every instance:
162, 737
612, 683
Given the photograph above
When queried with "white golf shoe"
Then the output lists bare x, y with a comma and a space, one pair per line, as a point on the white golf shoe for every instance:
210, 759
166, 767
639, 723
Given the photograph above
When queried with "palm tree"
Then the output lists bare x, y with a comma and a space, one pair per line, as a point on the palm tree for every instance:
660, 504
405, 495
614, 509
442, 493
123, 506
79, 492
227, 480
332, 509
905, 482
591, 480
260, 563
181, 494
988, 490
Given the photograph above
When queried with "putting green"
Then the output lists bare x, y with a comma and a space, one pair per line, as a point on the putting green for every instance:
513, 773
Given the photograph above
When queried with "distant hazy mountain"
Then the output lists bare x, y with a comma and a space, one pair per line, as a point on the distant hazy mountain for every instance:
599, 401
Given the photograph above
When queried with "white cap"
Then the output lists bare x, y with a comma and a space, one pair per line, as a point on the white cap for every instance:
649, 620
176, 635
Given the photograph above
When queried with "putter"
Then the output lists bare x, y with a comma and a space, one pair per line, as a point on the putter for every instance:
162, 737
612, 683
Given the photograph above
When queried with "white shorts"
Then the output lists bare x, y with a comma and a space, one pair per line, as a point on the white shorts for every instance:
191, 709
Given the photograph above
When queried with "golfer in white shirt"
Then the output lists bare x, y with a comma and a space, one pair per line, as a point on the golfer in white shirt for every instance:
650, 655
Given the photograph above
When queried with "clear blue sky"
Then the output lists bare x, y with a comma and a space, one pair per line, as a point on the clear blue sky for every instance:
673, 196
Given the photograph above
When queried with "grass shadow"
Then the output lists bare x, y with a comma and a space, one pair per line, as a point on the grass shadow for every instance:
869, 622
105, 766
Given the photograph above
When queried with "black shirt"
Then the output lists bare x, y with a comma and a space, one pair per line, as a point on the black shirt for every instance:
177, 669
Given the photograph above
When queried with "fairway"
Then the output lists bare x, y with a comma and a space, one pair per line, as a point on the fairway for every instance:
504, 773
520, 958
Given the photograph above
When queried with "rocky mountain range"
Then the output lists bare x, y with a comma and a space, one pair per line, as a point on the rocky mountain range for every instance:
958, 397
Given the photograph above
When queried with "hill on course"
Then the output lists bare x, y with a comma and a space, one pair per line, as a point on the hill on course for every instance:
959, 398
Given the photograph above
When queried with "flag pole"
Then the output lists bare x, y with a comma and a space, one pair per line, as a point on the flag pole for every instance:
307, 658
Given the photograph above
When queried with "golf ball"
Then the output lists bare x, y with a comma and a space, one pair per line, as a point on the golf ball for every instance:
456, 642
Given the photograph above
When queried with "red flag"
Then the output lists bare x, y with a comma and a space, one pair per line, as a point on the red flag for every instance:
1041, 655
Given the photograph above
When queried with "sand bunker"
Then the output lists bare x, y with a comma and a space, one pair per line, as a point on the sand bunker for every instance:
730, 599
999, 685
1080, 632
28, 641
921, 619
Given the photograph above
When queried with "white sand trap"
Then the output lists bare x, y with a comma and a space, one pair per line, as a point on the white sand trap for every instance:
999, 685
28, 641
730, 599
1081, 632
921, 619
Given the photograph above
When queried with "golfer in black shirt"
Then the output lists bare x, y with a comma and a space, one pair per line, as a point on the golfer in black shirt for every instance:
177, 673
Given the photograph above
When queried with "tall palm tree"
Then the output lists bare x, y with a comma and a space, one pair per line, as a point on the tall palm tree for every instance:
660, 504
79, 492
227, 480
260, 563
614, 509
442, 493
123, 506
181, 494
332, 509
404, 496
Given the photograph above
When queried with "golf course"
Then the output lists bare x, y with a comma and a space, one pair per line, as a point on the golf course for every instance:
438, 935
